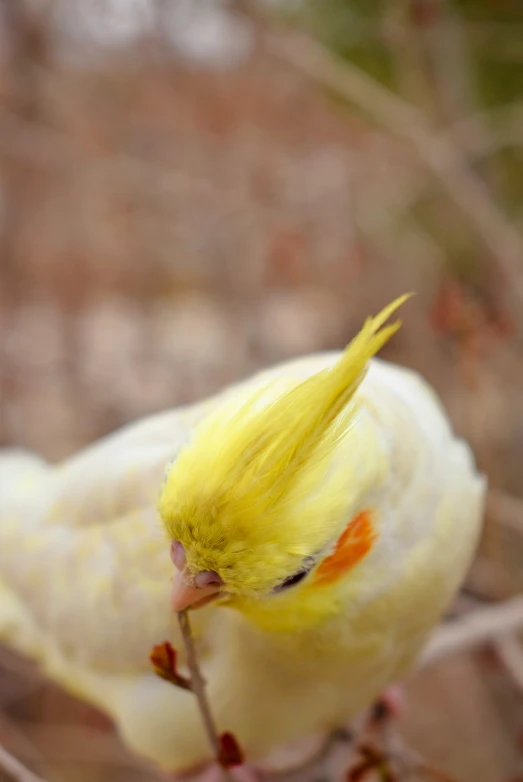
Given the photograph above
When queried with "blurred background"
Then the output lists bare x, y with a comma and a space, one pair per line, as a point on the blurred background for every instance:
193, 189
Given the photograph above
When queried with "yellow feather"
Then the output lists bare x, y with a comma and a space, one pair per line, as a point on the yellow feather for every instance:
233, 494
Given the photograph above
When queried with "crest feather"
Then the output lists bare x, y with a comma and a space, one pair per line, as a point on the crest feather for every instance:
244, 497
245, 462
300, 418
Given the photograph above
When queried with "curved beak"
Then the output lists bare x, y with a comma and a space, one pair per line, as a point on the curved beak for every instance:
185, 595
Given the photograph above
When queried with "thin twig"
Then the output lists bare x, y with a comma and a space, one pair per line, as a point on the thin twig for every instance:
484, 625
15, 769
198, 688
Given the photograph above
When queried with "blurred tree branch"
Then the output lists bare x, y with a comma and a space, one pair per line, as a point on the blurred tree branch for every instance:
28, 46
510, 653
15, 769
40, 147
473, 629
464, 187
436, 151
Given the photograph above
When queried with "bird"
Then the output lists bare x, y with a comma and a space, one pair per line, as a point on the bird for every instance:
315, 519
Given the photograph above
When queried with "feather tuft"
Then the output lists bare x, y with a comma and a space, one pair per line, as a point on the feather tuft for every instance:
251, 465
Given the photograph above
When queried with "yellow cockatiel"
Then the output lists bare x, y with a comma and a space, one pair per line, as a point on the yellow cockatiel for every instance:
324, 506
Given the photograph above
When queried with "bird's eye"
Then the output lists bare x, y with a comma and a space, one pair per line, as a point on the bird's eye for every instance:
291, 581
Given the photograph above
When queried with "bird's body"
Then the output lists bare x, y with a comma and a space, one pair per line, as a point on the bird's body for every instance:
85, 573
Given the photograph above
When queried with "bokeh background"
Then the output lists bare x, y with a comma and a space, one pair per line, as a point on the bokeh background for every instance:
193, 189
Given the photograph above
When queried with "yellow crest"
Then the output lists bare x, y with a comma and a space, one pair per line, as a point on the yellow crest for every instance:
234, 488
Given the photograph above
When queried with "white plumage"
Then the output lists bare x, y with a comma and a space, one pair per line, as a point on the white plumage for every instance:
85, 574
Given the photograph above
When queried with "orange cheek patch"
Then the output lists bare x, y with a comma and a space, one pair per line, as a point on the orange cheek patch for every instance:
355, 542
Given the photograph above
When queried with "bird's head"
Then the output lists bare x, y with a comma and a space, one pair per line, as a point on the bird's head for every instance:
264, 507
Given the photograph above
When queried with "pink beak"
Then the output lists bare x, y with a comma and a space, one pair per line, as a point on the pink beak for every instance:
204, 587
184, 595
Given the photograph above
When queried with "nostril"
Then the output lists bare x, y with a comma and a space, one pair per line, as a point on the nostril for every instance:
207, 578
178, 555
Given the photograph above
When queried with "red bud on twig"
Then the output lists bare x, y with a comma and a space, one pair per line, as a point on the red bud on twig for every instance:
163, 658
230, 753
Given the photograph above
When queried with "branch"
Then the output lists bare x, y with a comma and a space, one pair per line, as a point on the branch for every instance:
15, 769
382, 748
484, 625
510, 653
223, 744
436, 152
197, 682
